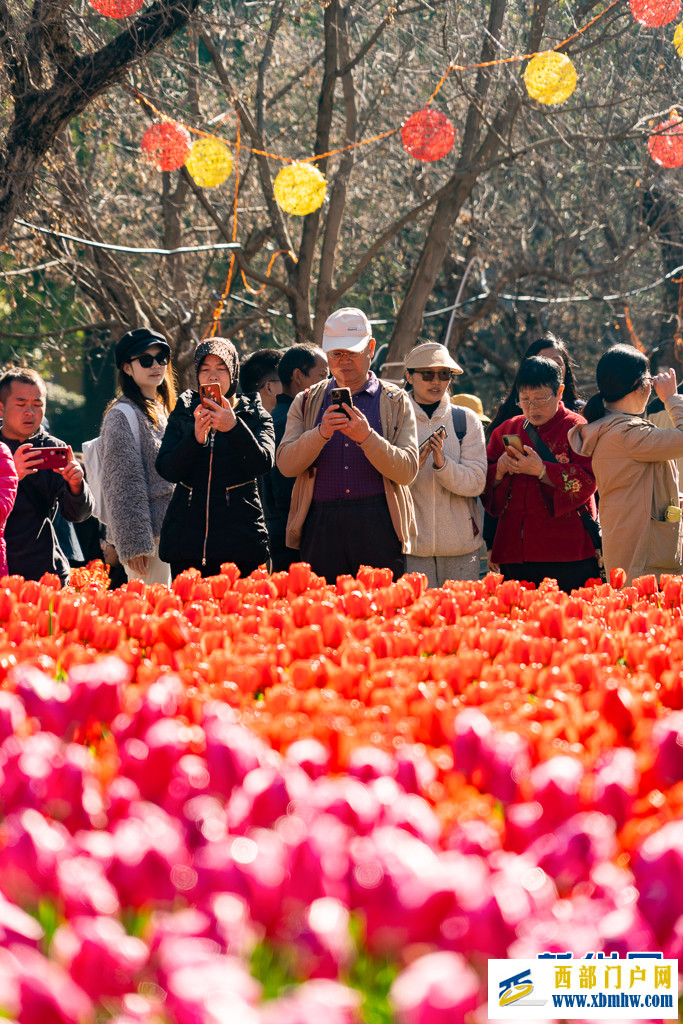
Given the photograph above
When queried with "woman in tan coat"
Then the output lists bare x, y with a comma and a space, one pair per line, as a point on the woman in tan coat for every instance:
633, 463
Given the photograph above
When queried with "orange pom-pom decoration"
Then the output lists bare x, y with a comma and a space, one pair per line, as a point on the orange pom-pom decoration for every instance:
655, 13
666, 144
428, 135
116, 8
166, 145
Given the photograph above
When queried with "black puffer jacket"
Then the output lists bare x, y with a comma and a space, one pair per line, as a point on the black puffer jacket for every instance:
231, 527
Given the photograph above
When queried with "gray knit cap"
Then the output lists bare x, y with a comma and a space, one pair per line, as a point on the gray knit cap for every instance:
226, 351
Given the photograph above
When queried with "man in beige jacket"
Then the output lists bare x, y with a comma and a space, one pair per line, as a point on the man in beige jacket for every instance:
353, 462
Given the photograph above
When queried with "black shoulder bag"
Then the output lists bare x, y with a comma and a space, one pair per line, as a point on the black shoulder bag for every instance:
591, 527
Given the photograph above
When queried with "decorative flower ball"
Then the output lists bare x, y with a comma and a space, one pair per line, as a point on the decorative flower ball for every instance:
209, 162
550, 77
655, 13
299, 188
116, 8
166, 145
428, 135
665, 145
678, 40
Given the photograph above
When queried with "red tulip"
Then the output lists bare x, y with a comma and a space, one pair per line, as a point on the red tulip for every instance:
100, 956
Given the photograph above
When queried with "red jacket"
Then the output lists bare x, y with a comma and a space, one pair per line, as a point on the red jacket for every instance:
538, 522
8, 492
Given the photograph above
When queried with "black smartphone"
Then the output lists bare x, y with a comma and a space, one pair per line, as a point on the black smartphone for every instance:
339, 395
439, 432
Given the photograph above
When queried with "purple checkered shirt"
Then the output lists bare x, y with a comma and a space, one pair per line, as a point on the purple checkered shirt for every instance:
343, 470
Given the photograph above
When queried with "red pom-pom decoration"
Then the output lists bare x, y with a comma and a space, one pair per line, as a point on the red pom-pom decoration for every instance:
655, 13
166, 145
116, 8
666, 145
428, 135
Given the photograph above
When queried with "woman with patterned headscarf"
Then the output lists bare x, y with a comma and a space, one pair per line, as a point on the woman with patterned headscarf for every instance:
214, 453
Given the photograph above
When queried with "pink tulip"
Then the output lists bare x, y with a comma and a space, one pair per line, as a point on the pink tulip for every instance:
523, 824
319, 858
186, 923
569, 852
149, 860
438, 988
407, 811
313, 1002
231, 751
508, 764
625, 929
12, 715
233, 926
658, 869
100, 956
414, 770
18, 926
43, 698
475, 923
311, 755
151, 761
367, 763
473, 836
347, 799
667, 739
212, 991
163, 699
204, 818
96, 689
32, 848
470, 750
46, 991
121, 793
555, 784
615, 784
84, 888
318, 942
569, 926
264, 796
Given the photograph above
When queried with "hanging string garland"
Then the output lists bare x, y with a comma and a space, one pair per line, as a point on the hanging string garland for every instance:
116, 8
428, 135
209, 162
299, 188
655, 13
166, 145
678, 39
665, 145
550, 77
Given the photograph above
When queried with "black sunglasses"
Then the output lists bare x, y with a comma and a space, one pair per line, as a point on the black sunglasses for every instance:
428, 375
146, 360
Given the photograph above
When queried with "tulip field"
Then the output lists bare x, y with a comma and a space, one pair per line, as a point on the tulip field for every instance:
275, 801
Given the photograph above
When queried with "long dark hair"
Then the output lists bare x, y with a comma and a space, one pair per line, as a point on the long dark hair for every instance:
620, 370
151, 407
509, 407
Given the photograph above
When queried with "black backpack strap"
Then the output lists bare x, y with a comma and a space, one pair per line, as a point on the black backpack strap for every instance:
459, 421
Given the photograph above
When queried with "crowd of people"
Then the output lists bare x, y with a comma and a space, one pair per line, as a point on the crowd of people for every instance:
308, 455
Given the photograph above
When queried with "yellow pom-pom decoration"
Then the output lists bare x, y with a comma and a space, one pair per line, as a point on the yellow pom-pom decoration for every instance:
678, 39
209, 162
299, 188
550, 77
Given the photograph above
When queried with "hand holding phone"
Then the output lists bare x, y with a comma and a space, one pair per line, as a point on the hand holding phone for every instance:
339, 396
52, 457
513, 441
212, 392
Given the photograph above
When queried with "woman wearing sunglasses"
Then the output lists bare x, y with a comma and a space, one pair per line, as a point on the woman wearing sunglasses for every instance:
135, 497
452, 472
537, 486
633, 464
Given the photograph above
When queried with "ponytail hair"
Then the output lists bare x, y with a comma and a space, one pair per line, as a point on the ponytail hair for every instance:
620, 370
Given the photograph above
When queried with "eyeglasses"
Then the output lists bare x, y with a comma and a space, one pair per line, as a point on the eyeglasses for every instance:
337, 355
429, 375
535, 403
147, 360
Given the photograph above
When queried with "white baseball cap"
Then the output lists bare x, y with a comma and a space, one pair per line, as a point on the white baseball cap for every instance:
346, 328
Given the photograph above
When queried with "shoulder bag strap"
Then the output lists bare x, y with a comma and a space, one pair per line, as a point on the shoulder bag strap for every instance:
547, 456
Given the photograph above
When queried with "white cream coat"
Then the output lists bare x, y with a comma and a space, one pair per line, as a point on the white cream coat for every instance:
445, 510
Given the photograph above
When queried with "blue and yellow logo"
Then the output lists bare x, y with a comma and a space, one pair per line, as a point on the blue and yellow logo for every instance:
516, 987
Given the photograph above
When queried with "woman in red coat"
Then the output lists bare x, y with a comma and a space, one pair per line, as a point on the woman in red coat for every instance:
8, 492
540, 531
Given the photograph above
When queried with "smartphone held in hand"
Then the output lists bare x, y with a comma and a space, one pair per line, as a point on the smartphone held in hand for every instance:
339, 396
513, 441
51, 458
210, 391
439, 432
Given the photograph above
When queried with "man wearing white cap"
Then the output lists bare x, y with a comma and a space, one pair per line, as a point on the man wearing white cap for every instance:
353, 462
